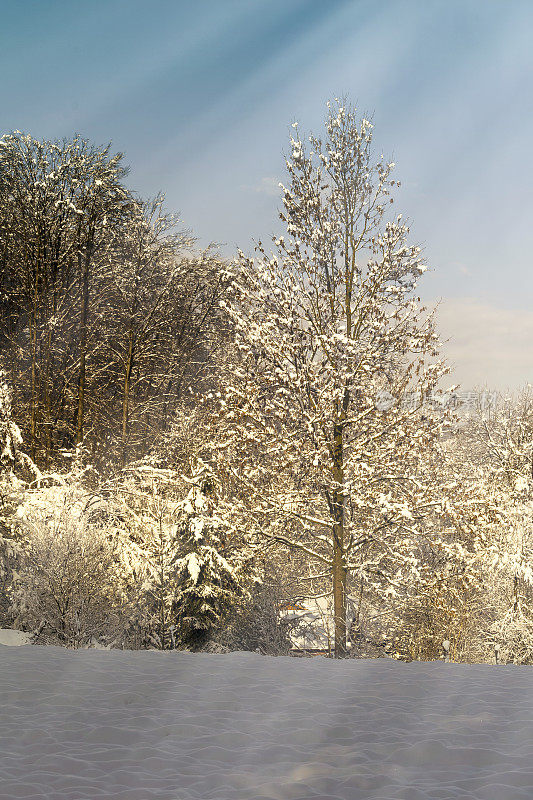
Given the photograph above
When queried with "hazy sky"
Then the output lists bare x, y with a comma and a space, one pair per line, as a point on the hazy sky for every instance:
200, 96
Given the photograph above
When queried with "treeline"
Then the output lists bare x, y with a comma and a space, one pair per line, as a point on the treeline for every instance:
108, 314
193, 447
111, 332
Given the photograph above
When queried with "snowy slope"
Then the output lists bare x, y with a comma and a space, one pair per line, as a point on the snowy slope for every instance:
96, 724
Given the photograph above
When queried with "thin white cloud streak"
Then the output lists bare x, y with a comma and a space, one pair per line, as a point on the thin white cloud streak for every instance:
488, 346
268, 185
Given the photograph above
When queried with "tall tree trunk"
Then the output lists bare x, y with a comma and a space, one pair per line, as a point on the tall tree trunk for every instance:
33, 401
83, 340
126, 397
516, 593
339, 564
33, 348
47, 402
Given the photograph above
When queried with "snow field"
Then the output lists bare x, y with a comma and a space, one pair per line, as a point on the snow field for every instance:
93, 724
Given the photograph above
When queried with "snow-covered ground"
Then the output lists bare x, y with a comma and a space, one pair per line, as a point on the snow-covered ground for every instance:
138, 725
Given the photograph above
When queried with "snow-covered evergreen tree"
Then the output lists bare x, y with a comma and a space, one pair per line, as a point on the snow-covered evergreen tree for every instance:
210, 574
184, 561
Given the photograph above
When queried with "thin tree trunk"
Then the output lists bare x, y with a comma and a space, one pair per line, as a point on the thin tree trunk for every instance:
339, 565
47, 402
83, 343
33, 402
33, 347
516, 595
126, 398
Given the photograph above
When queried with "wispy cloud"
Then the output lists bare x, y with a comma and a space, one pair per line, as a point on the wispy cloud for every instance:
267, 185
488, 346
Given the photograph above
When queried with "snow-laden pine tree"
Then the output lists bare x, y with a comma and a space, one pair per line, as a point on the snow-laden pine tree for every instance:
181, 559
320, 421
211, 574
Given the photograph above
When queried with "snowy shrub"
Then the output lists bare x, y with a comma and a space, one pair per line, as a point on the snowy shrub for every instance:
66, 587
255, 623
67, 583
513, 636
142, 511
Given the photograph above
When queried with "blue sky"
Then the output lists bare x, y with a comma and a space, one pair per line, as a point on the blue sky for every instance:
200, 96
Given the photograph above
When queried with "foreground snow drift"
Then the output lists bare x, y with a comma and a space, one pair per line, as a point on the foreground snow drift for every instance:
139, 725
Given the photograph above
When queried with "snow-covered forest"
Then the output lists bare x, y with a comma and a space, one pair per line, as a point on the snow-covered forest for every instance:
258, 453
